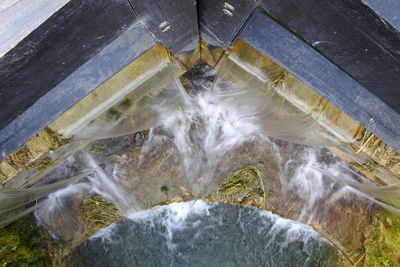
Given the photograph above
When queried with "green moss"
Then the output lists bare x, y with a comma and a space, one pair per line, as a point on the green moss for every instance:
369, 167
252, 195
185, 80
41, 164
57, 139
21, 245
383, 240
125, 104
113, 114
98, 213
96, 148
245, 184
239, 182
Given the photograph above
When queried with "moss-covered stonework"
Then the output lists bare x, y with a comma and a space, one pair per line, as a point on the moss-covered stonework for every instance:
382, 242
22, 244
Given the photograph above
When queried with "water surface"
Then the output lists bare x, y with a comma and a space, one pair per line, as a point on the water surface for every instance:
198, 233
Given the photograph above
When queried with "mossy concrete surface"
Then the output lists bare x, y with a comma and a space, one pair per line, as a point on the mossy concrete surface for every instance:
112, 91
98, 213
22, 244
382, 242
245, 184
29, 155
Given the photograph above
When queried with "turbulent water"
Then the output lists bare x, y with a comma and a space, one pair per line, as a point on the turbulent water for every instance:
198, 233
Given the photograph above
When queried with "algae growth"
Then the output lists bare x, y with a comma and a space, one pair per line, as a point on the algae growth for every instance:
29, 154
383, 240
41, 164
97, 213
22, 244
246, 184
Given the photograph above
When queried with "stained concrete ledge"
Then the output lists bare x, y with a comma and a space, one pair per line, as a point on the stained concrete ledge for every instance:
114, 90
279, 44
114, 57
351, 141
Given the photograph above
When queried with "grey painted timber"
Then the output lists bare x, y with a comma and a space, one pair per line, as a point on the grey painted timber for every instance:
173, 23
221, 20
18, 18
